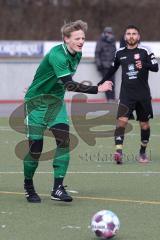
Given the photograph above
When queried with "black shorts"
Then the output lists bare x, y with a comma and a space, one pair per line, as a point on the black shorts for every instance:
143, 109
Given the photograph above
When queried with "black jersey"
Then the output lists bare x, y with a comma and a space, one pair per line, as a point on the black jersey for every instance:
134, 81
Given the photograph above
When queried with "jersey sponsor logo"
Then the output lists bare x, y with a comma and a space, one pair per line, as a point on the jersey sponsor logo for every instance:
136, 56
132, 74
121, 58
132, 77
131, 67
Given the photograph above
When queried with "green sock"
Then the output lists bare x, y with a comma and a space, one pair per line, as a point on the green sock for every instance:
30, 166
61, 161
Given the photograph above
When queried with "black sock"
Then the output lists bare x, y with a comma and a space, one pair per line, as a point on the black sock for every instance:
142, 149
119, 135
28, 182
145, 134
57, 182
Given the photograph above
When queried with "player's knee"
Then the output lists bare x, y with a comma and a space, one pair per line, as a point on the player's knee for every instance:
35, 148
61, 133
144, 125
122, 122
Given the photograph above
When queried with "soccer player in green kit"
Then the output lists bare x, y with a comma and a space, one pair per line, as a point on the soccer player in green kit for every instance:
45, 108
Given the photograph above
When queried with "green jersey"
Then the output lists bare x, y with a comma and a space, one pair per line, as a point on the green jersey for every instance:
56, 64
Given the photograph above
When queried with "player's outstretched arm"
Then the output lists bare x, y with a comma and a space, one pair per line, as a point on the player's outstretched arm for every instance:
79, 87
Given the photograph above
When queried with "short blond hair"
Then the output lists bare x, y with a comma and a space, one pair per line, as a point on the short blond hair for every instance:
70, 27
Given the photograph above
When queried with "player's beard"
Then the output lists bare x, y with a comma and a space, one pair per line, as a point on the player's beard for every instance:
131, 42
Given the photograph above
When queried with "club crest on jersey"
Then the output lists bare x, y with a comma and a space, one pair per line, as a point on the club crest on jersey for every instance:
131, 67
136, 56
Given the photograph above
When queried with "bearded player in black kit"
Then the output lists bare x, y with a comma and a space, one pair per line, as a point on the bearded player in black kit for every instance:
136, 62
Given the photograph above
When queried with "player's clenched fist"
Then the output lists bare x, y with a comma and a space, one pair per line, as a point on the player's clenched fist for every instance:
107, 85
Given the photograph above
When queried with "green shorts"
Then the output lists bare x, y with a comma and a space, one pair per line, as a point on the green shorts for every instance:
41, 115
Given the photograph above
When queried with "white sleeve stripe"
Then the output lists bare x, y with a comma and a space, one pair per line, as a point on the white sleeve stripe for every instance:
120, 49
148, 50
64, 75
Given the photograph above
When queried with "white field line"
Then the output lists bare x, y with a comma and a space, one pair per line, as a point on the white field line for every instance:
86, 172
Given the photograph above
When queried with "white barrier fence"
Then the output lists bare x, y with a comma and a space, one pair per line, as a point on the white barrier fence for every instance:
17, 73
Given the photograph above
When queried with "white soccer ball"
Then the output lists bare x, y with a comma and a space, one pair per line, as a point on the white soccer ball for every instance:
105, 224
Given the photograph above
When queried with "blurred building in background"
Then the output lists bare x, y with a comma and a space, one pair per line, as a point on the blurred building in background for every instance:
42, 19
